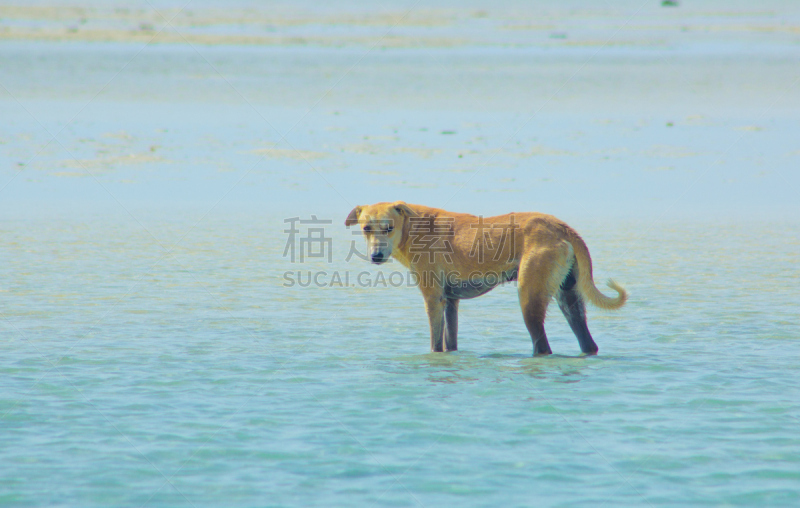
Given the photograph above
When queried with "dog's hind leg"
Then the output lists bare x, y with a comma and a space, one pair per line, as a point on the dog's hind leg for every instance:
540, 273
451, 325
572, 305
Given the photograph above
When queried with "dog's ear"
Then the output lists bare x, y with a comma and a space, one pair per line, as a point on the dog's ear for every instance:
353, 217
403, 209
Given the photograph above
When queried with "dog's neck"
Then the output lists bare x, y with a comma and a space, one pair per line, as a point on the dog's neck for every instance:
401, 255
401, 252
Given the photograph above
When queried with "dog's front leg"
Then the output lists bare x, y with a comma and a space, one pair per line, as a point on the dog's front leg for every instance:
451, 325
434, 305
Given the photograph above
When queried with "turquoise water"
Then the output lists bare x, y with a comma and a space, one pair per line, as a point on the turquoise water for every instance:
136, 376
153, 355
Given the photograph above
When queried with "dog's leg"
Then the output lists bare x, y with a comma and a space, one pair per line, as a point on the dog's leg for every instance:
451, 325
572, 305
533, 311
540, 273
435, 307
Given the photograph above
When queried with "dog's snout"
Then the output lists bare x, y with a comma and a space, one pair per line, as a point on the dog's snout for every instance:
376, 257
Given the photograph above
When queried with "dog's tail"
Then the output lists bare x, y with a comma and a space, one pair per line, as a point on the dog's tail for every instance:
586, 281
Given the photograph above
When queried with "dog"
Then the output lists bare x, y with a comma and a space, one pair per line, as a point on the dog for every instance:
455, 256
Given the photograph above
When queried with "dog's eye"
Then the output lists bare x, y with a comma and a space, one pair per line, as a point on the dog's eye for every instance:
389, 229
367, 229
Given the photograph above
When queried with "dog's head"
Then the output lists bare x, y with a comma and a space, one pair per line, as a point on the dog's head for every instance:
383, 227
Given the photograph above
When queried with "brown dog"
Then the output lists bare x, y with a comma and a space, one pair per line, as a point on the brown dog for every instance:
455, 256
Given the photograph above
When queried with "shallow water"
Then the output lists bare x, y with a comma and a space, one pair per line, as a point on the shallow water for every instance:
137, 376
153, 355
